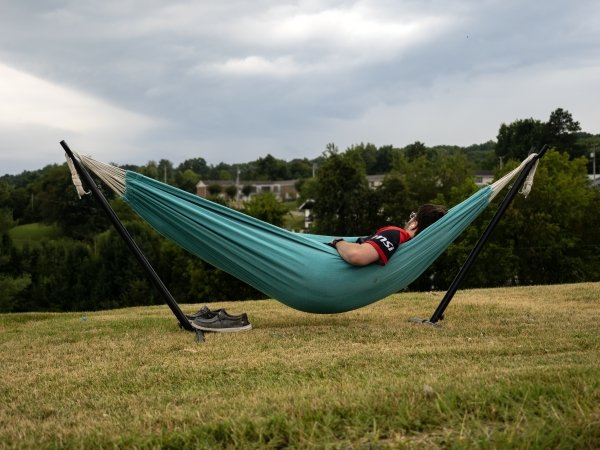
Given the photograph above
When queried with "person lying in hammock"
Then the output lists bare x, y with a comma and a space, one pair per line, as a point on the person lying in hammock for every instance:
380, 247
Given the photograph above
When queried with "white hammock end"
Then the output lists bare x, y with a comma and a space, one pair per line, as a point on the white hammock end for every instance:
75, 178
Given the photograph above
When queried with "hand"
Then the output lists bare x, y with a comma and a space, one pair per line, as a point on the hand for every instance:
334, 242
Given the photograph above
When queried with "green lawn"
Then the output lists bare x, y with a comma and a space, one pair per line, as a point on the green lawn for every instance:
510, 368
33, 233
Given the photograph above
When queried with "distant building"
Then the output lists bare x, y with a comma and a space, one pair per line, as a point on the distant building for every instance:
284, 190
307, 207
375, 181
484, 177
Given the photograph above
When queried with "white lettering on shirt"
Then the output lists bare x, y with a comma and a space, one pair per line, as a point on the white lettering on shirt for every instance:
384, 241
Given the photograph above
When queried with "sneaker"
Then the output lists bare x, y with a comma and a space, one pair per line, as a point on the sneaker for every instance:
206, 313
222, 322
203, 312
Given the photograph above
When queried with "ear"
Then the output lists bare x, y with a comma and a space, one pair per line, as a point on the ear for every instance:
412, 228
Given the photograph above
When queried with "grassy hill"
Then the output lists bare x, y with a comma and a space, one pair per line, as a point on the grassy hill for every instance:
510, 368
33, 233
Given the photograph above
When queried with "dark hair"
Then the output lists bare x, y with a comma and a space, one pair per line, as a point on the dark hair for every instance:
428, 214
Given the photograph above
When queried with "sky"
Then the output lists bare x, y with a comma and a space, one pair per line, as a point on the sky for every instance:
130, 81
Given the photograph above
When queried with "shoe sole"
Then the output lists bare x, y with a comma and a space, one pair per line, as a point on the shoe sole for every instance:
222, 330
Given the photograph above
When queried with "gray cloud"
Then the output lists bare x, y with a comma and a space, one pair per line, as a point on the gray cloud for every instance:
136, 80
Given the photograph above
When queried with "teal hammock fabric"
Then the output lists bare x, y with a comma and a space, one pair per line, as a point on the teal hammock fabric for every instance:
297, 269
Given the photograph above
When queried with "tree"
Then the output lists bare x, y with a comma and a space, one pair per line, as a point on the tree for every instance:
561, 130
396, 202
56, 202
12, 282
552, 236
59, 276
270, 168
215, 189
150, 170
367, 153
517, 139
247, 190
196, 165
10, 288
231, 192
342, 196
421, 179
6, 222
449, 171
300, 168
590, 143
187, 180
415, 150
385, 159
562, 245
6, 213
118, 278
267, 208
222, 172
181, 272
482, 156
165, 171
20, 203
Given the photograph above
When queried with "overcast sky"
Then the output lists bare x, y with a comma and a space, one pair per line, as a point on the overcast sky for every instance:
133, 80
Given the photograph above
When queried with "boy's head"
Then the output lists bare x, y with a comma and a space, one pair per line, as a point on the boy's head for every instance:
425, 216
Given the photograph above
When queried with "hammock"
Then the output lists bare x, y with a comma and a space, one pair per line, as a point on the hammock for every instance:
297, 269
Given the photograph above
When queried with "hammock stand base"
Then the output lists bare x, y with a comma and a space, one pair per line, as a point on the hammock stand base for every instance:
510, 195
424, 322
184, 323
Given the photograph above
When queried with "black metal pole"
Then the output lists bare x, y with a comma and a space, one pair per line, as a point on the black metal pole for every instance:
439, 312
84, 174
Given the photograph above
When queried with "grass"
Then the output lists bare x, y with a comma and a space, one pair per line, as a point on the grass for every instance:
33, 233
510, 368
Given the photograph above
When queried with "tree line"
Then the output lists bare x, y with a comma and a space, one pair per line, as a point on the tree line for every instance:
553, 236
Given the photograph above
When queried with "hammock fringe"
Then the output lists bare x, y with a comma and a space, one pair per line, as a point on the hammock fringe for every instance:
112, 176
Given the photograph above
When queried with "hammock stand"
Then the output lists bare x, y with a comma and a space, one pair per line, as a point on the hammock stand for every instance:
184, 323
438, 314
528, 168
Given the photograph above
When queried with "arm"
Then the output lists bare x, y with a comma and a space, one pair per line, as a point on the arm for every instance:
357, 254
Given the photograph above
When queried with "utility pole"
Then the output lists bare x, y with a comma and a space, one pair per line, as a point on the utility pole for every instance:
237, 186
593, 156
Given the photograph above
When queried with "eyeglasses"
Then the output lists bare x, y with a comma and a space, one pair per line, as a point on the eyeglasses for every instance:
412, 215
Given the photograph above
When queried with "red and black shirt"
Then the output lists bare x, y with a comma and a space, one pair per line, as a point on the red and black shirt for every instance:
386, 241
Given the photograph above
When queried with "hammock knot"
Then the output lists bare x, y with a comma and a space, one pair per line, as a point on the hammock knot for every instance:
528, 184
75, 178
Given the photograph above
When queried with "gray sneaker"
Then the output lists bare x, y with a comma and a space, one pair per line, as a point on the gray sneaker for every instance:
204, 313
222, 322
